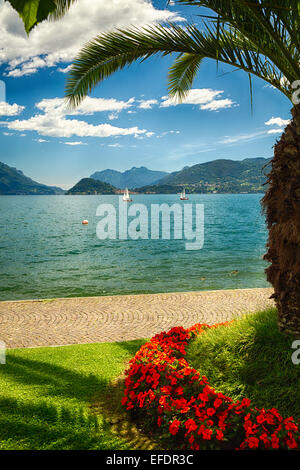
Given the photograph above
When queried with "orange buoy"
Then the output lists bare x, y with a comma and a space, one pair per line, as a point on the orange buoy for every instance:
85, 222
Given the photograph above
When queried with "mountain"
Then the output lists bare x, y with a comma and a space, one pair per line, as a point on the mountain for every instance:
91, 186
218, 176
13, 181
133, 178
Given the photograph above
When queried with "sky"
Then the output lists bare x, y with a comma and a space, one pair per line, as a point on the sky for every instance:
128, 120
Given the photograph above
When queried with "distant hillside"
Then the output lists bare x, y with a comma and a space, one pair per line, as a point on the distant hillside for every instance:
133, 178
91, 186
13, 181
218, 176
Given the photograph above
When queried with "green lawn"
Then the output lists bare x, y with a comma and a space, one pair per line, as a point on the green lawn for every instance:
45, 394
250, 358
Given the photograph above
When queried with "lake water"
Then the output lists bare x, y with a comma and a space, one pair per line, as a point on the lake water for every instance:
46, 252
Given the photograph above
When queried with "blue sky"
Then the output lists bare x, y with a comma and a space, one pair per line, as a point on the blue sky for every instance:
129, 120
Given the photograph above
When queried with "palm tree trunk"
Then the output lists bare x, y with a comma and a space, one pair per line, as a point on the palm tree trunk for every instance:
281, 204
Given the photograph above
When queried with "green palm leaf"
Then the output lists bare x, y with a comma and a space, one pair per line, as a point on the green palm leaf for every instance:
113, 51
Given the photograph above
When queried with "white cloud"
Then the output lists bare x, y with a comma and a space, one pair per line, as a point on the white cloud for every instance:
277, 121
163, 134
41, 141
53, 121
241, 137
7, 134
58, 106
204, 97
227, 140
10, 109
74, 143
147, 104
52, 43
113, 116
115, 145
215, 105
55, 126
64, 69
275, 131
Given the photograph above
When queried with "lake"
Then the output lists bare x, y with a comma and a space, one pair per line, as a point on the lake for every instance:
46, 252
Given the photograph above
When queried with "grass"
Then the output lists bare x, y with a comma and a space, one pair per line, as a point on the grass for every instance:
250, 358
46, 396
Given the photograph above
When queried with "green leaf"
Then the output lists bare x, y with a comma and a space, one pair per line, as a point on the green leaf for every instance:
27, 10
33, 12
46, 8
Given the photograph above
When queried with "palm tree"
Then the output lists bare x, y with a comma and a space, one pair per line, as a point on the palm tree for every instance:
260, 37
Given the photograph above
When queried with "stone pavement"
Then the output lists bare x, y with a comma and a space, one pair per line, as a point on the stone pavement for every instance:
120, 317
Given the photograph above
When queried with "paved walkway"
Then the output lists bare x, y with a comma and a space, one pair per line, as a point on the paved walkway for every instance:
120, 317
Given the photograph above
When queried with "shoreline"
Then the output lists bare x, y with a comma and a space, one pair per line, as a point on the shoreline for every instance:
51, 299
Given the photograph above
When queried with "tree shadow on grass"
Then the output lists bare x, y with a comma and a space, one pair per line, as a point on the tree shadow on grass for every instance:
26, 425
56, 381
121, 422
38, 422
132, 346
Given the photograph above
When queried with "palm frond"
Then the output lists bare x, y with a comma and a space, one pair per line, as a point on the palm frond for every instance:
62, 7
113, 51
273, 24
182, 74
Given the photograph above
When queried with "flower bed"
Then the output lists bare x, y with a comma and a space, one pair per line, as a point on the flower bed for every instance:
175, 399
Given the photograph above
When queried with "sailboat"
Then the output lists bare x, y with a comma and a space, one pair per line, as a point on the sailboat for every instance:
126, 196
183, 197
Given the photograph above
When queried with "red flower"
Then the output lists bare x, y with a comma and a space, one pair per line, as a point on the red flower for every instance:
218, 402
207, 434
291, 443
190, 425
289, 426
275, 441
245, 402
253, 442
210, 411
174, 426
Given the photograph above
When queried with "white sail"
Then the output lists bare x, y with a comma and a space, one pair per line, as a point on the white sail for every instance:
126, 196
182, 195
